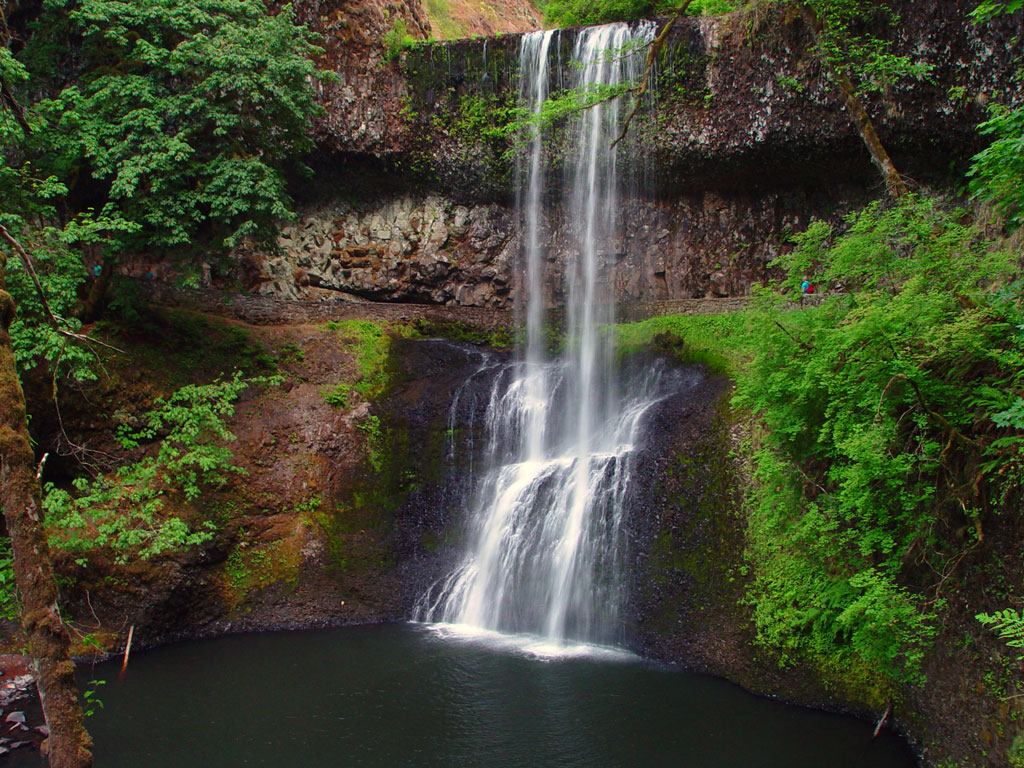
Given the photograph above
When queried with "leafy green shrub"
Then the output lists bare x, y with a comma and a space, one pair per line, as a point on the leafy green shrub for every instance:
291, 353
998, 170
397, 39
196, 125
127, 510
60, 270
339, 396
878, 437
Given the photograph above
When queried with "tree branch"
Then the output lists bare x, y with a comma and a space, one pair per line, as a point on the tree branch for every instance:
54, 321
652, 52
14, 106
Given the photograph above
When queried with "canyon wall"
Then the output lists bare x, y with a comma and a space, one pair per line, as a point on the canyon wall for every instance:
745, 142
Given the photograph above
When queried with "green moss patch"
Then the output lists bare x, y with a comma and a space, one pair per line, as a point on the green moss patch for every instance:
252, 569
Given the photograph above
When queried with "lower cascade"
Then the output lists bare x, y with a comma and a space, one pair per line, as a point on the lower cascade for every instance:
545, 533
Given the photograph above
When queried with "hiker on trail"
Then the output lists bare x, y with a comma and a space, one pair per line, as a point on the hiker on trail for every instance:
806, 287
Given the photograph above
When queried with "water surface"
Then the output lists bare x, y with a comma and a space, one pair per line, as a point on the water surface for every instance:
401, 695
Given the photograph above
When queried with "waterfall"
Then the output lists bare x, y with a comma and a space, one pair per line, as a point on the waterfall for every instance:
545, 528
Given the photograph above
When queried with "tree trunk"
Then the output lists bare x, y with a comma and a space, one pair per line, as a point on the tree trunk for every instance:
894, 183
68, 745
93, 305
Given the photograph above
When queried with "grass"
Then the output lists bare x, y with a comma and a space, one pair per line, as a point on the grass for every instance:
442, 23
370, 342
716, 341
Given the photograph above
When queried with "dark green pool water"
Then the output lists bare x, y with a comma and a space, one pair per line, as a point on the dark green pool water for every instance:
399, 695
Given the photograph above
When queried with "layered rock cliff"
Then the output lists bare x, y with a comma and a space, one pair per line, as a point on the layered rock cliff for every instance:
746, 141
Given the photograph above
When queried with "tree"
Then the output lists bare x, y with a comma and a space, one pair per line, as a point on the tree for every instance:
179, 127
847, 54
68, 745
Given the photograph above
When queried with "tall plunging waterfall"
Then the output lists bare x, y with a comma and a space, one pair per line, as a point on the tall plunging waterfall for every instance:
545, 540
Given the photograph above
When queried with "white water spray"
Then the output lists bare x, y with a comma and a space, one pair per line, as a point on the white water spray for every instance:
546, 545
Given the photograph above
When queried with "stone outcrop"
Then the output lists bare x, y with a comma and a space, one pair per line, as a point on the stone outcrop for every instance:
408, 249
741, 102
430, 249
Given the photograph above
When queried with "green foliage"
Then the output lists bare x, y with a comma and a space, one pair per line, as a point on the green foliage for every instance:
1015, 752
33, 338
126, 510
491, 118
991, 8
997, 174
846, 42
91, 701
10, 598
1009, 624
566, 103
877, 405
711, 7
186, 116
339, 396
291, 353
568, 13
397, 39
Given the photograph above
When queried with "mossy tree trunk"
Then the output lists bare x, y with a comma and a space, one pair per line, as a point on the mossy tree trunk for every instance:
68, 745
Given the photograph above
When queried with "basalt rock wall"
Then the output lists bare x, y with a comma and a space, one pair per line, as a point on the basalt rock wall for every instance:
426, 248
745, 141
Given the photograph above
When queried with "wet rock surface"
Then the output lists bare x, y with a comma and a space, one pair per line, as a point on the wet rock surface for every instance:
21, 718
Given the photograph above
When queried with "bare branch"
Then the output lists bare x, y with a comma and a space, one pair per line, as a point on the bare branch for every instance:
12, 104
54, 321
652, 52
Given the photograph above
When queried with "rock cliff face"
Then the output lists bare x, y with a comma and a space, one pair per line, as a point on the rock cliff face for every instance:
746, 141
407, 248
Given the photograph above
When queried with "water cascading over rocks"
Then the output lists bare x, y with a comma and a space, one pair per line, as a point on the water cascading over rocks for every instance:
545, 540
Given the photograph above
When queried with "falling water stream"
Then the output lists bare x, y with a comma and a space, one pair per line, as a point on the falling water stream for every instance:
545, 530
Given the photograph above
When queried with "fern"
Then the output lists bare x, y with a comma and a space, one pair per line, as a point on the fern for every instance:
1008, 623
